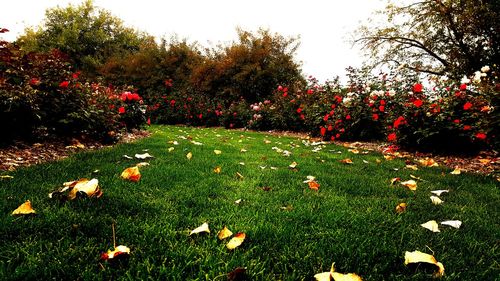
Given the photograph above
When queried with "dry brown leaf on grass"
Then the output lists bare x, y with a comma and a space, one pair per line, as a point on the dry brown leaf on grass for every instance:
332, 275
401, 208
236, 241
119, 251
431, 225
131, 174
24, 209
410, 184
82, 187
200, 229
224, 233
419, 257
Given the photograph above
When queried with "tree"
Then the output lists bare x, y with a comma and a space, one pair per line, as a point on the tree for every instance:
87, 34
452, 37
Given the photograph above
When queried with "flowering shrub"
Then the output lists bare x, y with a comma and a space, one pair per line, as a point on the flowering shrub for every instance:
42, 96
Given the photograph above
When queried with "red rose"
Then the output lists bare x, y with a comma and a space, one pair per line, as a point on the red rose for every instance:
392, 137
310, 92
121, 110
326, 117
323, 131
467, 127
481, 136
382, 102
64, 84
417, 88
381, 108
348, 117
375, 116
330, 128
418, 103
34, 81
280, 88
456, 121
463, 87
467, 105
400, 121
299, 110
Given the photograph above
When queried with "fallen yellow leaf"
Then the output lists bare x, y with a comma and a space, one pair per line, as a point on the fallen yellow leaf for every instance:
394, 180
327, 276
200, 229
293, 165
24, 209
411, 184
456, 171
435, 200
354, 151
6, 177
431, 225
217, 152
236, 241
243, 150
412, 167
346, 161
170, 149
131, 174
89, 187
418, 257
224, 233
189, 155
142, 164
428, 162
118, 251
240, 176
389, 157
401, 208
217, 170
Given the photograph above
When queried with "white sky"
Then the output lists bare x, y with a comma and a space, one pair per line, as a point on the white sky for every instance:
324, 26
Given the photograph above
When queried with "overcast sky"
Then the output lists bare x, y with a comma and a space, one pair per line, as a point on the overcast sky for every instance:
324, 26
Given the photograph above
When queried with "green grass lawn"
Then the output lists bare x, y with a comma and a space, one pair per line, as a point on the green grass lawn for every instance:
350, 221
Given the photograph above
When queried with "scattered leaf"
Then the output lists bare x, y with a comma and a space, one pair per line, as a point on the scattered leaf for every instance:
313, 185
287, 208
394, 180
411, 184
189, 155
401, 208
127, 157
457, 171
310, 179
142, 164
452, 223
273, 168
143, 156
237, 201
435, 200
200, 229
131, 174
3, 177
217, 152
419, 257
217, 170
170, 149
82, 187
439, 192
354, 151
24, 209
484, 161
415, 177
346, 161
412, 167
242, 163
243, 150
327, 276
428, 162
196, 143
240, 176
224, 233
267, 141
366, 162
388, 157
378, 161
293, 165
267, 188
431, 225
237, 274
236, 241
120, 251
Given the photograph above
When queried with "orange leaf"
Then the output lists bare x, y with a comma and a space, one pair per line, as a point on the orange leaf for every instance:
131, 174
24, 209
411, 184
236, 241
428, 162
217, 170
394, 180
346, 161
313, 185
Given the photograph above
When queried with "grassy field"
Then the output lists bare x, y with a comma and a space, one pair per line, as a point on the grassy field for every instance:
292, 232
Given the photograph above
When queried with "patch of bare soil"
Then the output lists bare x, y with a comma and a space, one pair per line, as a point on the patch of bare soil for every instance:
22, 154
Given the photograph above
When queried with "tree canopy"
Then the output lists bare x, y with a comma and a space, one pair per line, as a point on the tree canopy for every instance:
452, 37
87, 34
